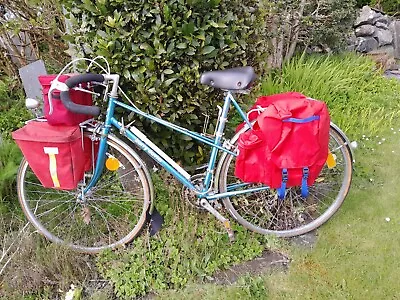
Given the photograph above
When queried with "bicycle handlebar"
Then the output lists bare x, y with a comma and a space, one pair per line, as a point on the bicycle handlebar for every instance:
78, 108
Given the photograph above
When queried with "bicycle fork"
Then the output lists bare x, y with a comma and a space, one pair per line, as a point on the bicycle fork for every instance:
227, 225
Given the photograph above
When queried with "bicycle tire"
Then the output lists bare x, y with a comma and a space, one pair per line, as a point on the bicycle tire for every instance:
262, 212
113, 215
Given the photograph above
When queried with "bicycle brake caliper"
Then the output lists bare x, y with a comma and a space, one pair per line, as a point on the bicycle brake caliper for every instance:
227, 225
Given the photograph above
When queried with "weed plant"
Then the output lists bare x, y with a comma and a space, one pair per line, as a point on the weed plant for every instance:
359, 98
41, 270
191, 246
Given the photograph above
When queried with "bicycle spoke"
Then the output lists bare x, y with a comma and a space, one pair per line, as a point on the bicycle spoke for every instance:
263, 212
110, 213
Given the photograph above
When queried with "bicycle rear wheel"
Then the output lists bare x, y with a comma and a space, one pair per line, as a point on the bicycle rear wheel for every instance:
112, 214
264, 213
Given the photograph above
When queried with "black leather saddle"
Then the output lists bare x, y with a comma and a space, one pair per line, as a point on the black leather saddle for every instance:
230, 79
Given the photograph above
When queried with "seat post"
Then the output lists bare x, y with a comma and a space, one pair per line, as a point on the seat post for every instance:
218, 138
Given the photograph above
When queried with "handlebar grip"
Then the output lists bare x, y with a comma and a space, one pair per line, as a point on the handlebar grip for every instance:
77, 108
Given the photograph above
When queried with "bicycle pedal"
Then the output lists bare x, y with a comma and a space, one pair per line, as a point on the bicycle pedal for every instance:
227, 225
228, 228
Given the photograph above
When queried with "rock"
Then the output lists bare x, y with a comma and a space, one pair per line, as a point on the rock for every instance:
256, 267
367, 16
367, 44
380, 25
383, 58
384, 50
351, 42
383, 19
395, 30
384, 37
365, 30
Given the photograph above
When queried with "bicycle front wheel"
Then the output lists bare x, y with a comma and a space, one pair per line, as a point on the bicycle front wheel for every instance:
112, 214
264, 213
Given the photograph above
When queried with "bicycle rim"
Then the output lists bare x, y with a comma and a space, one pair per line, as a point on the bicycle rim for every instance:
113, 213
264, 213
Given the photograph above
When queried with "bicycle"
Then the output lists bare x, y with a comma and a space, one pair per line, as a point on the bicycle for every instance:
111, 205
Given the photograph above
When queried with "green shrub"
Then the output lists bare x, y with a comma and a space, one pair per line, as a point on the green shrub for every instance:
360, 99
161, 48
328, 23
388, 6
391, 7
10, 157
12, 107
13, 115
361, 3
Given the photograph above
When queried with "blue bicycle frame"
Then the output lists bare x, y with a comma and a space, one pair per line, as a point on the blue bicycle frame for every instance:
139, 139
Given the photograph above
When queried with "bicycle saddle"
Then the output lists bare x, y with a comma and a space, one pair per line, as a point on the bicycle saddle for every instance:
230, 79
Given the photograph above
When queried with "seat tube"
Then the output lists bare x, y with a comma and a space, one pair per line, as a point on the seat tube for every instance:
217, 141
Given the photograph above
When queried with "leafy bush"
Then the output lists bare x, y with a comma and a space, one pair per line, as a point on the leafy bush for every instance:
361, 3
301, 24
190, 246
391, 7
161, 48
360, 99
32, 30
388, 6
12, 107
328, 23
10, 157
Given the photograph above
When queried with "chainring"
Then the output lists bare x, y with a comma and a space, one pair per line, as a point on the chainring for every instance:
191, 197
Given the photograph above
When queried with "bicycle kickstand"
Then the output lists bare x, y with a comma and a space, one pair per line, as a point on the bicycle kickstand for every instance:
227, 225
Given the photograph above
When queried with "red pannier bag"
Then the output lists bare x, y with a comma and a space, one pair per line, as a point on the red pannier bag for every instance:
288, 144
57, 155
60, 115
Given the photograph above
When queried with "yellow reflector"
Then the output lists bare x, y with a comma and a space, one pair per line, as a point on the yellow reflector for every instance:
112, 164
331, 161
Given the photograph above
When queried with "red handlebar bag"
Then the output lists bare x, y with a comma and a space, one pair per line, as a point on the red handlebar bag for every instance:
56, 154
287, 146
60, 115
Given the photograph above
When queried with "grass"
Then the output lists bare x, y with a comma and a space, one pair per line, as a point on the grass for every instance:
359, 99
357, 255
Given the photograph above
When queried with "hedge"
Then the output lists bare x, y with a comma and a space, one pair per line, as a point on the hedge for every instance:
161, 48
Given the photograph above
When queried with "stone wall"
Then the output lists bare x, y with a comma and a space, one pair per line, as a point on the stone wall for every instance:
376, 31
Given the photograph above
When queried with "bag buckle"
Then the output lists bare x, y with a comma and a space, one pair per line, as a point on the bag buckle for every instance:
282, 190
304, 185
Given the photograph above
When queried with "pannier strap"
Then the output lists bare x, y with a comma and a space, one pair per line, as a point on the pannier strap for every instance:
304, 185
300, 121
282, 190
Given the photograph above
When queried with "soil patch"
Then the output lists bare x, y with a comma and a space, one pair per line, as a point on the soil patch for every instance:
266, 263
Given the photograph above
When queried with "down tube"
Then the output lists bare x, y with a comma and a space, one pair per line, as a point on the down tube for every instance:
154, 155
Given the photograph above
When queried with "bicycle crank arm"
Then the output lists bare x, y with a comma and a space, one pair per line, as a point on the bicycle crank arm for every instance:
227, 225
